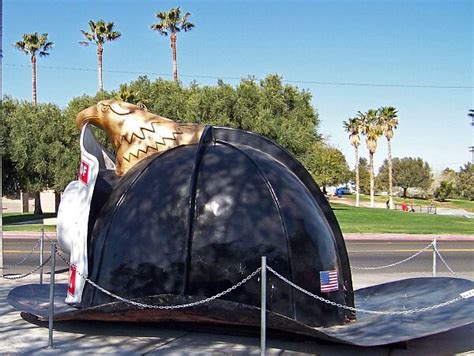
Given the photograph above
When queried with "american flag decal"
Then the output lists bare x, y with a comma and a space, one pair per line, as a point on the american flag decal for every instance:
328, 281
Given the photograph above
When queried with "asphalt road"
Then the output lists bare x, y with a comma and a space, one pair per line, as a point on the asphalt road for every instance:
459, 255
23, 255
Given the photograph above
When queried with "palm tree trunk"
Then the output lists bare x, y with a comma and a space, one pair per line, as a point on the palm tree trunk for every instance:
390, 174
372, 185
175, 62
33, 79
100, 51
357, 176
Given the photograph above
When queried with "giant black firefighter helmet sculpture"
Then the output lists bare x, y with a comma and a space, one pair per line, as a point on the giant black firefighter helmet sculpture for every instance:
187, 210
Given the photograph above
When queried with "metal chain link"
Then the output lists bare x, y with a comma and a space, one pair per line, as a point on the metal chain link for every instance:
29, 273
444, 262
396, 263
7, 267
178, 306
377, 312
250, 276
165, 307
49, 238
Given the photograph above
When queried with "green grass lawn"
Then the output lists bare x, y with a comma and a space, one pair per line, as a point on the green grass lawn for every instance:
367, 220
30, 228
14, 218
351, 219
462, 204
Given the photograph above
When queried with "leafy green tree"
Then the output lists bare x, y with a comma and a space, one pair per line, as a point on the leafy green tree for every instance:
443, 191
213, 105
464, 181
32, 44
281, 112
285, 114
100, 33
372, 130
10, 180
389, 122
75, 106
327, 165
364, 176
34, 146
353, 127
408, 172
170, 24
126, 94
164, 97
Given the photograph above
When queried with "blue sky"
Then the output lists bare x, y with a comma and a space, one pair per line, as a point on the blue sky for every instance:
403, 43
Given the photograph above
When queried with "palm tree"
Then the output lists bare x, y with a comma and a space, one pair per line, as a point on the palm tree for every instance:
32, 45
372, 130
389, 121
353, 127
101, 32
170, 24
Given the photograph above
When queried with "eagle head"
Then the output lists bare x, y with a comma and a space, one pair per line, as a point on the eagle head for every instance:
135, 132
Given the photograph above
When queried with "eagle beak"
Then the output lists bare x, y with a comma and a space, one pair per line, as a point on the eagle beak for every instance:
88, 115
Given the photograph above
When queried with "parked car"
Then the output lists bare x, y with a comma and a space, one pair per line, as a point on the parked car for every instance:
343, 191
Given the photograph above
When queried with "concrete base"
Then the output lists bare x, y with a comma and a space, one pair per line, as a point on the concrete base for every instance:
20, 336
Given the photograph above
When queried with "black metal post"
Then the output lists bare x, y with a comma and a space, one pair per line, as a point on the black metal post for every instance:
41, 255
263, 307
51, 295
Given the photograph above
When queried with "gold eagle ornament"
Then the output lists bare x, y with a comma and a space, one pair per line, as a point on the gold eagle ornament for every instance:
136, 133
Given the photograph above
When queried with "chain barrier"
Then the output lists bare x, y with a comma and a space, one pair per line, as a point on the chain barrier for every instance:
164, 307
376, 312
49, 238
250, 276
444, 262
396, 263
245, 280
28, 255
15, 277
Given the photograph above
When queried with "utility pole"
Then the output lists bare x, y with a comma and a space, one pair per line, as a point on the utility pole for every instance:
1, 144
471, 149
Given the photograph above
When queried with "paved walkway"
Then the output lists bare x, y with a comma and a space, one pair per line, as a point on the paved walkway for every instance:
20, 336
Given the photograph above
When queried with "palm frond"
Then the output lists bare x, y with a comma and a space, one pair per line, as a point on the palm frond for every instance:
32, 43
20, 45
47, 46
110, 36
159, 27
188, 26
162, 15
172, 22
92, 26
88, 36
